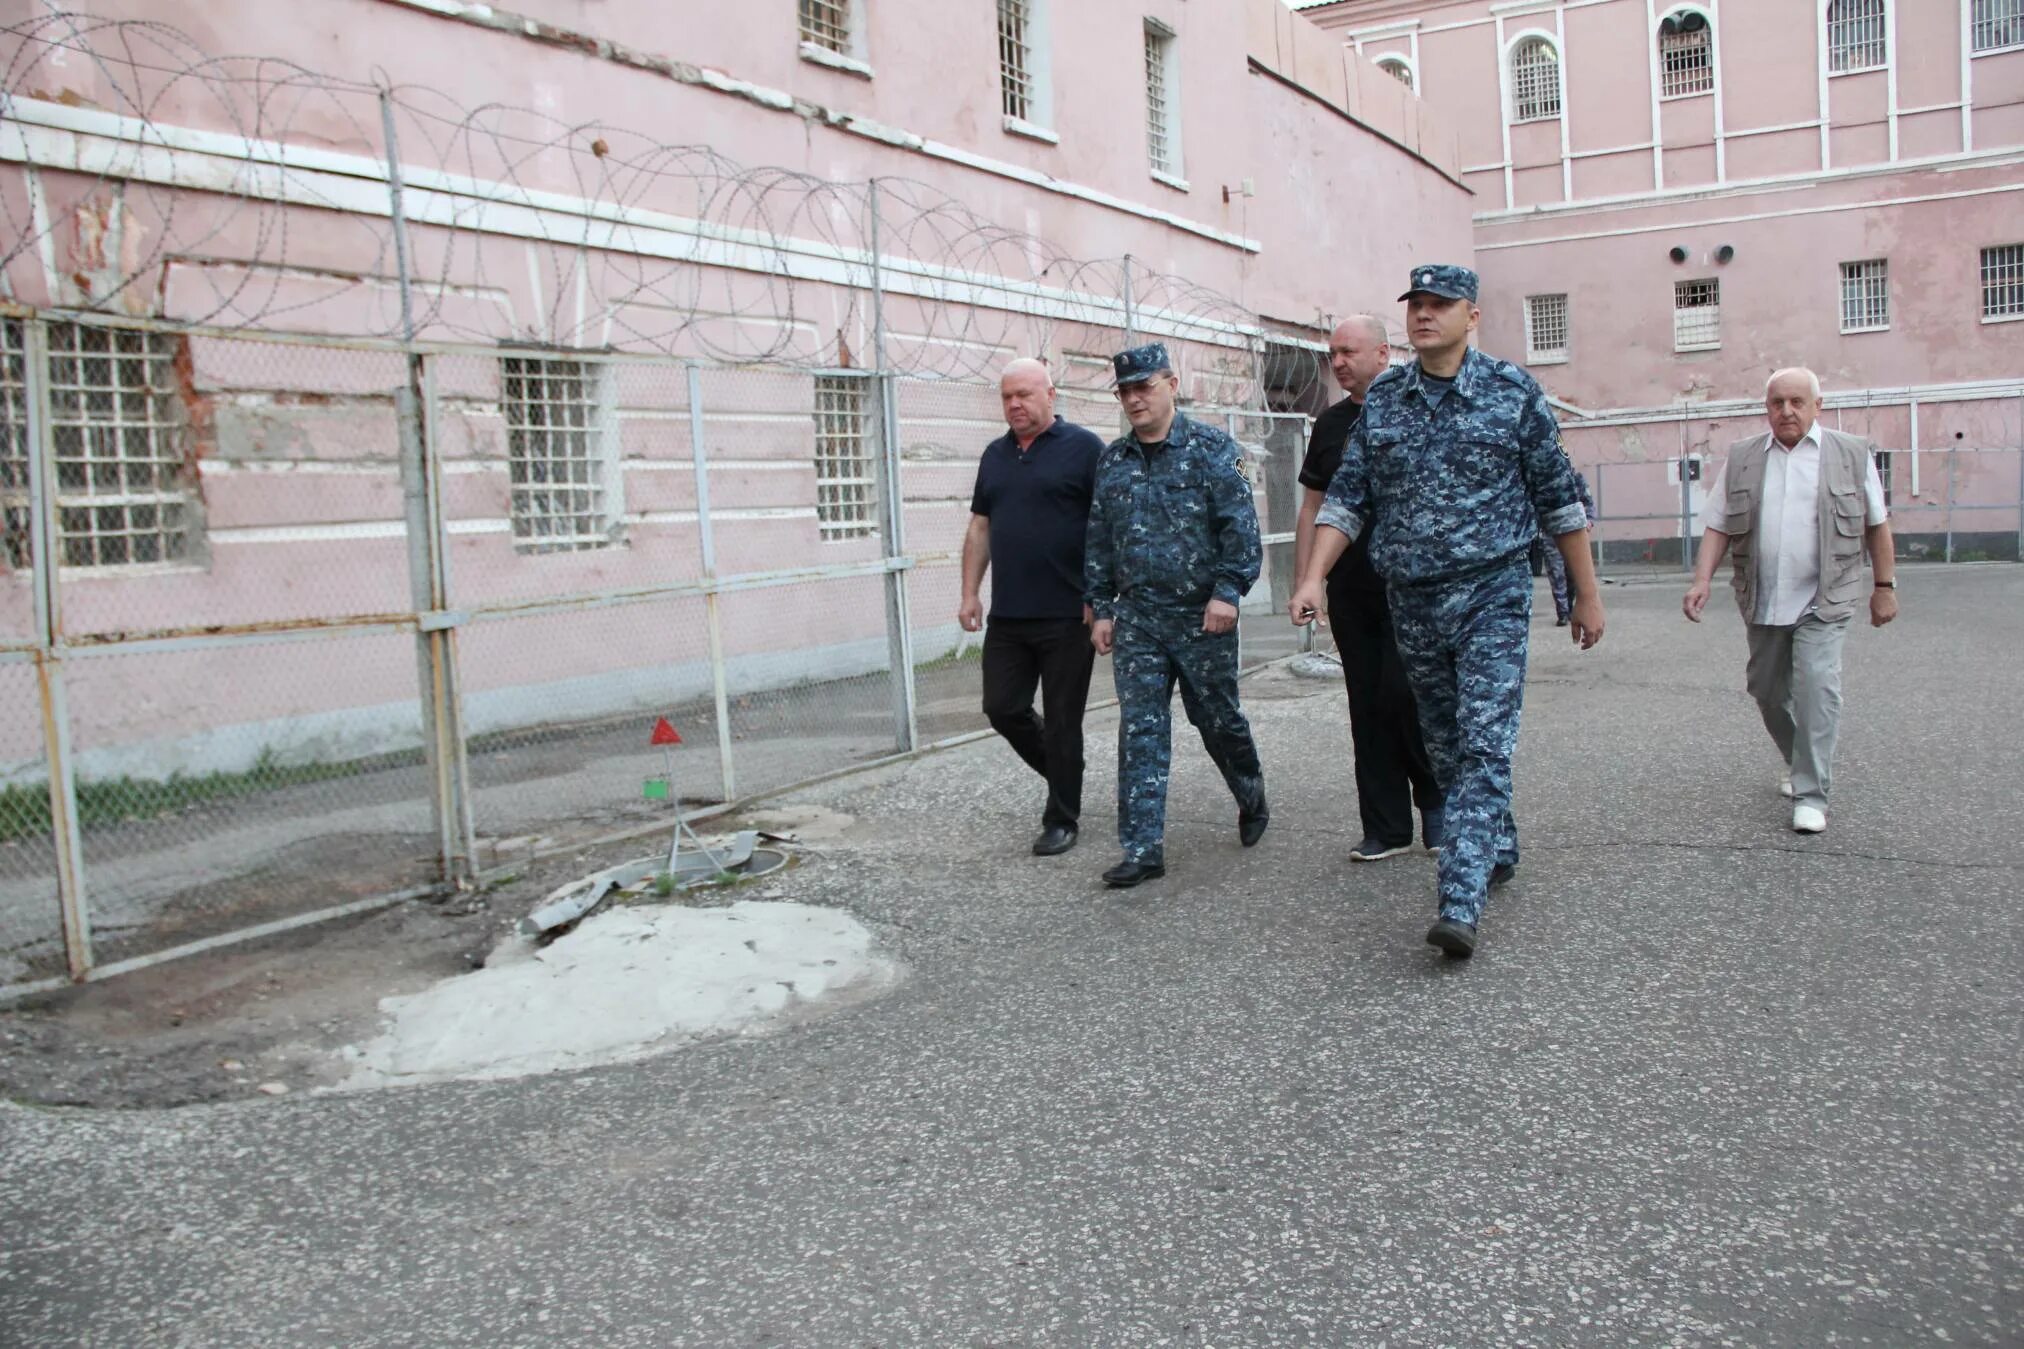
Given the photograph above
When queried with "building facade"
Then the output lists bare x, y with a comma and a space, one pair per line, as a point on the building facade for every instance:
1674, 199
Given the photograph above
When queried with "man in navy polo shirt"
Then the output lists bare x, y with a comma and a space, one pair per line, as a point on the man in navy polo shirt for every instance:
1029, 516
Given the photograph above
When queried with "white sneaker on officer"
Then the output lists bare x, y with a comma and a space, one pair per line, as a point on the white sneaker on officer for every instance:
1808, 820
1785, 786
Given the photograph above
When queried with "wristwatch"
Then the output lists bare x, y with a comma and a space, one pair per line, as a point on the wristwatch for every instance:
1886, 585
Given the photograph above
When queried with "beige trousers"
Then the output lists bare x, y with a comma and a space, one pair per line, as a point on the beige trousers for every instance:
1795, 676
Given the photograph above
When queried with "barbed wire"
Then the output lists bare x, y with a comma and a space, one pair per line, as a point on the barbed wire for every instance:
161, 180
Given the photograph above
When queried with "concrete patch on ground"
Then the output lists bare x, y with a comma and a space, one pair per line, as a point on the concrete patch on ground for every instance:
627, 984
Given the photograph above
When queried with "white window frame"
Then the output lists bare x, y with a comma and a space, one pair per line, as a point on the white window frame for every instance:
1523, 42
1028, 23
1541, 317
2002, 270
1993, 17
1697, 327
1163, 105
1854, 43
1865, 296
1400, 67
124, 484
1706, 34
823, 43
565, 481
846, 455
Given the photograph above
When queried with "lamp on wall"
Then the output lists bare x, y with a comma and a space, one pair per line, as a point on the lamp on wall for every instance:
1677, 253
1724, 253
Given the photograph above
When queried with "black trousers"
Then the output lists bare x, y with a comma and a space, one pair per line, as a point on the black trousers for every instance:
1393, 772
1053, 654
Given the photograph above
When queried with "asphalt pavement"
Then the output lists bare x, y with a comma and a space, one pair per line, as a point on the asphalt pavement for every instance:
1707, 1081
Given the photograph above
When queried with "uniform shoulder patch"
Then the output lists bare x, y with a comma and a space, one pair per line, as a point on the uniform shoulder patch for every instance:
1515, 374
1388, 375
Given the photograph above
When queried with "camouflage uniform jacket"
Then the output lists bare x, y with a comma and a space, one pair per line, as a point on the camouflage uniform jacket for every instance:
1170, 526
1451, 490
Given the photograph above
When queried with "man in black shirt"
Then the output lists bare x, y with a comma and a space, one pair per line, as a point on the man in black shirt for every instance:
1029, 516
1392, 768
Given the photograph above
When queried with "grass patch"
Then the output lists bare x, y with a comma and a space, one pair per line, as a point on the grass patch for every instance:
106, 802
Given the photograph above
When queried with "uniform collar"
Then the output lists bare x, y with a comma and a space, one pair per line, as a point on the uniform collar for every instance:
1177, 431
1465, 381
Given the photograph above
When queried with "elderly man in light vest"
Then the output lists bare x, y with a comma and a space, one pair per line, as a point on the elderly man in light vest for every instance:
1798, 508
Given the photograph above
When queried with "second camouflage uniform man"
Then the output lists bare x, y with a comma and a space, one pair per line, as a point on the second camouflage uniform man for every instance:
1173, 547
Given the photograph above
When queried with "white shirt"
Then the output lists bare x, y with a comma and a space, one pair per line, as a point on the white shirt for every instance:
1788, 526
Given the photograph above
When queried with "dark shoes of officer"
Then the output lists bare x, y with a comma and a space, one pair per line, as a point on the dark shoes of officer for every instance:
1376, 850
1502, 873
1456, 938
1252, 819
1054, 840
1130, 872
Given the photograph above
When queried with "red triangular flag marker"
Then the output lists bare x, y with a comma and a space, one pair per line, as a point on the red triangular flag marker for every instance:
665, 732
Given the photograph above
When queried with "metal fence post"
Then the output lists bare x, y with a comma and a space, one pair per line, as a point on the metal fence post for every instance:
892, 507
45, 556
1130, 310
1953, 456
707, 544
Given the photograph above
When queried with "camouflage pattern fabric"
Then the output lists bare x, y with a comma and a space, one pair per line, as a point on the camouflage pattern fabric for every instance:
1147, 661
1171, 527
1464, 647
1455, 488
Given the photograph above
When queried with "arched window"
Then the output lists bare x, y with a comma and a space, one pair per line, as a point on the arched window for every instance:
1535, 80
1397, 68
1686, 54
1857, 35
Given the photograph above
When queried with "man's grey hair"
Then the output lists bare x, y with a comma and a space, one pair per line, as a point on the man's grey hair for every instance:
1812, 380
1373, 327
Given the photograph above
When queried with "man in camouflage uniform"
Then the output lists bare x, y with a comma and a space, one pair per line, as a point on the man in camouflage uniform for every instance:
1455, 468
1173, 546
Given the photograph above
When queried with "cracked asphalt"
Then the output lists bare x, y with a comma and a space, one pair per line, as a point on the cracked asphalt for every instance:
1706, 1082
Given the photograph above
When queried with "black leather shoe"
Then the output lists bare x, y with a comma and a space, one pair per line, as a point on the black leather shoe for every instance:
1457, 939
1502, 873
1251, 823
1054, 840
1128, 873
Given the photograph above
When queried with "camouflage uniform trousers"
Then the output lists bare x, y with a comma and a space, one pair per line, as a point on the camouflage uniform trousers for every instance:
1149, 658
1464, 644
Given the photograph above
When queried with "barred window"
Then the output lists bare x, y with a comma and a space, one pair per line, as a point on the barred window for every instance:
1865, 296
1163, 139
560, 454
1697, 315
1535, 80
1857, 35
1397, 68
1686, 55
2003, 282
1998, 24
123, 494
1545, 328
1015, 57
846, 475
826, 23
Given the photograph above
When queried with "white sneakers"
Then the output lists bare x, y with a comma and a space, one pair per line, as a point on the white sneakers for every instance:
1785, 786
1808, 820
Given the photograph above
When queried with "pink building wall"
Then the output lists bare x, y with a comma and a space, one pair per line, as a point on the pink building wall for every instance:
296, 448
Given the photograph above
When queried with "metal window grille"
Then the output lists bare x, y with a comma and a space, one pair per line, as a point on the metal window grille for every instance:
1697, 315
556, 453
846, 479
1546, 327
1015, 57
121, 441
1159, 108
1686, 56
826, 23
1998, 23
1398, 70
1857, 35
2003, 281
1535, 81
1865, 295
